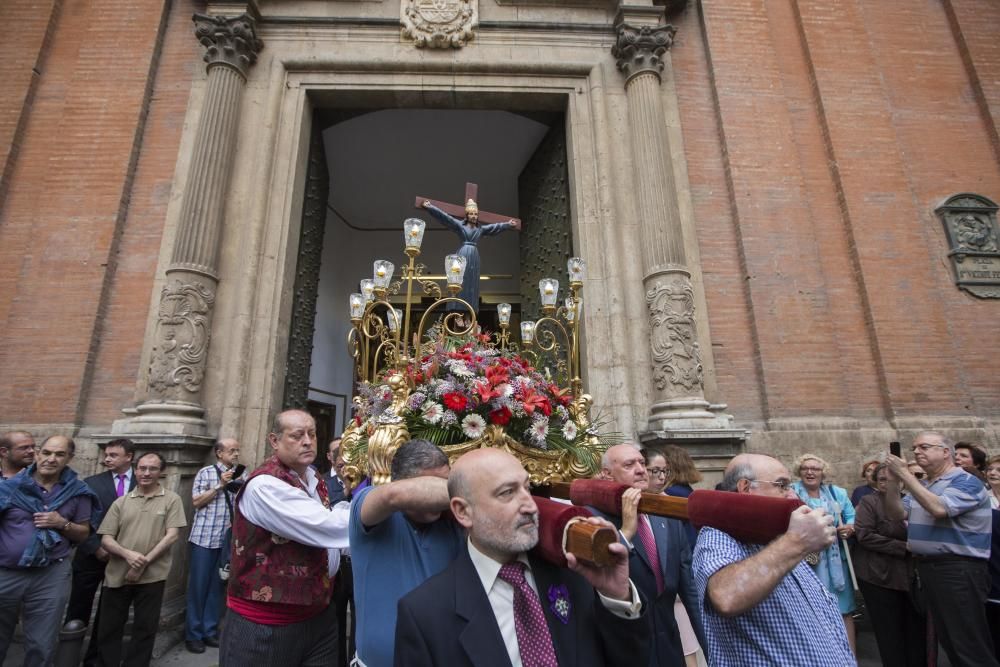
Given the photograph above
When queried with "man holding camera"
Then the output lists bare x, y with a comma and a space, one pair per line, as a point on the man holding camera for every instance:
212, 498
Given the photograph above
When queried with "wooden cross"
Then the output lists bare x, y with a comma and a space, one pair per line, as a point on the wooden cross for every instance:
458, 210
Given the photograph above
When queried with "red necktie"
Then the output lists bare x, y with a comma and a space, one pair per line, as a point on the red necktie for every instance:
121, 486
649, 544
534, 642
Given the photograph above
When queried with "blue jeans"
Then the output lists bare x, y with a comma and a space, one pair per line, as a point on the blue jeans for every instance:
204, 594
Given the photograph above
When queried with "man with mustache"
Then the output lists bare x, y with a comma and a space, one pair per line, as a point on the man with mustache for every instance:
499, 605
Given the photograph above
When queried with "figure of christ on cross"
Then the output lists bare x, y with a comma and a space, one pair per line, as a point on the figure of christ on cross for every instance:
469, 223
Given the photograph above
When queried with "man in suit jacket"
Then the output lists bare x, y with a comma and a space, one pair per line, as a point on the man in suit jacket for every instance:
91, 559
466, 614
335, 485
673, 575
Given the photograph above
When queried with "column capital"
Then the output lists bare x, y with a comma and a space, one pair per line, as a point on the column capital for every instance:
228, 40
640, 49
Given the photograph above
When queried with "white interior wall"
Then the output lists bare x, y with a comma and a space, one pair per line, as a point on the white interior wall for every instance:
379, 163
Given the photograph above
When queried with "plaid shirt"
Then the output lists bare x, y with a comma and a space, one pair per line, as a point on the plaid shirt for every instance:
799, 623
211, 521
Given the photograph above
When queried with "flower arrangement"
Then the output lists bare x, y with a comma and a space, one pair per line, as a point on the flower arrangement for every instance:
457, 391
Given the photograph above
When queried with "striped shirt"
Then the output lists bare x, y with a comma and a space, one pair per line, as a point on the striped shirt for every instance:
211, 521
968, 528
799, 623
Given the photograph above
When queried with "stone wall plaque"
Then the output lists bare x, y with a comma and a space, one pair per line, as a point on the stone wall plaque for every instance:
970, 221
439, 24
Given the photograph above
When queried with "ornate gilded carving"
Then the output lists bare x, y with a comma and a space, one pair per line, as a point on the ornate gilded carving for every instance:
177, 363
673, 333
439, 24
228, 40
641, 49
389, 433
970, 221
306, 289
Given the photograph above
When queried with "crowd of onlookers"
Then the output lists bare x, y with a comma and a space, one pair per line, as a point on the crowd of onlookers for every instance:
289, 550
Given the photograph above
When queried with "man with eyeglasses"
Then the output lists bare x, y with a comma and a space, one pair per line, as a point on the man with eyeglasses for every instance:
659, 555
763, 605
949, 533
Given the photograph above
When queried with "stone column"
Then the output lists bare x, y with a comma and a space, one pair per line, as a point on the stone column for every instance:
173, 401
679, 403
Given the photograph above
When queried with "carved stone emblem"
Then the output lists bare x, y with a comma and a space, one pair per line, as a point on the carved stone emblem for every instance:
673, 335
970, 221
181, 340
439, 24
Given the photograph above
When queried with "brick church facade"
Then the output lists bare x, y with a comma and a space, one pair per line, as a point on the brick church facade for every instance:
793, 157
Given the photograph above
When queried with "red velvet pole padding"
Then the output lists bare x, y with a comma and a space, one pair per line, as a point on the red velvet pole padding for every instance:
751, 519
604, 495
552, 519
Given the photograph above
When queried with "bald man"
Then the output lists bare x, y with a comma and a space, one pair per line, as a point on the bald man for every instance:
763, 605
212, 499
498, 602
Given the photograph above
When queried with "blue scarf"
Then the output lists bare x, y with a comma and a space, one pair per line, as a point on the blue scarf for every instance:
21, 492
830, 567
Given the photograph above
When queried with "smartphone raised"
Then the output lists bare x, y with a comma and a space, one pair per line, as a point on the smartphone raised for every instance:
895, 449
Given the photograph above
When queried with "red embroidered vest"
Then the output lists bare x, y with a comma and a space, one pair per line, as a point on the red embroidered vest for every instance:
269, 568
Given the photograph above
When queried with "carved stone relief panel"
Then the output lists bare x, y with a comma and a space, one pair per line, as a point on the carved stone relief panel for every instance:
177, 365
439, 24
970, 222
673, 333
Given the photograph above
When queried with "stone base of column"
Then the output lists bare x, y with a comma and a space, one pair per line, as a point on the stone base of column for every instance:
168, 418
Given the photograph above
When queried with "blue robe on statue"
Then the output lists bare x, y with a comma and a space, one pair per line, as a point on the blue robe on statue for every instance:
470, 237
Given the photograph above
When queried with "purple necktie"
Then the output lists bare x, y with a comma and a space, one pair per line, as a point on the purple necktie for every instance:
649, 544
534, 642
121, 486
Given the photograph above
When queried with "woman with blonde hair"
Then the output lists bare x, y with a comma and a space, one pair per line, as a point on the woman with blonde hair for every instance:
815, 490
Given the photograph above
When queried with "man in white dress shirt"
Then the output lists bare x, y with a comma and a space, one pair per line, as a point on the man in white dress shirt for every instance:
286, 548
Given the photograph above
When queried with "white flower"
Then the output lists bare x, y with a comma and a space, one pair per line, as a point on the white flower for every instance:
570, 431
538, 430
504, 390
432, 412
473, 426
459, 368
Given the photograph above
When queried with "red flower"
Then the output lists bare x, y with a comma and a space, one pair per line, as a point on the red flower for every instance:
455, 401
496, 375
501, 416
534, 400
485, 391
561, 395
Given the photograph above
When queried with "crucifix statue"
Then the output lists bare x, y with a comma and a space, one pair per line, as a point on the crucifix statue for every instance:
469, 223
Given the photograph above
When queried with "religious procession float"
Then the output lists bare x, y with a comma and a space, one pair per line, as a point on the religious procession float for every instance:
438, 375
441, 377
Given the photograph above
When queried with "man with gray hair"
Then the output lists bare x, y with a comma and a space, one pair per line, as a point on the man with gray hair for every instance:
763, 605
401, 535
949, 533
212, 500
